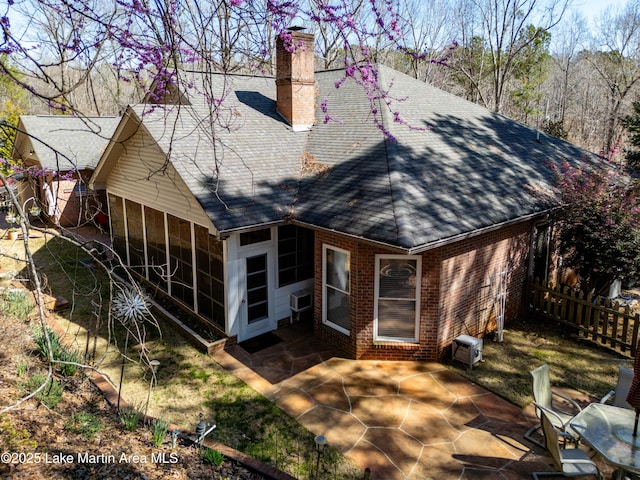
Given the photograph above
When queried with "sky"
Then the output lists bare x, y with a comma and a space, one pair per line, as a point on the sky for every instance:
591, 8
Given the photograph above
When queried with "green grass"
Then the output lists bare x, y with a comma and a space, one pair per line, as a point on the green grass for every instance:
196, 374
59, 351
212, 456
159, 429
573, 362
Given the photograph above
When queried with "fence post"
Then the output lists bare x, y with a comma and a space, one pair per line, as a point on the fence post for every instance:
581, 312
634, 335
589, 316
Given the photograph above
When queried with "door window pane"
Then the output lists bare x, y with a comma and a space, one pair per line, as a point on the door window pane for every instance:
257, 288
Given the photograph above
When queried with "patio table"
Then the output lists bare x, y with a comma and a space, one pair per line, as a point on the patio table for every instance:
608, 430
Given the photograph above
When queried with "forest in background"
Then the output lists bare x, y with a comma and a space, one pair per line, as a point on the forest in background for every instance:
530, 60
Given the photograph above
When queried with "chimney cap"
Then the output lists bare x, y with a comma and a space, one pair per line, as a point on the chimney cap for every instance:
295, 28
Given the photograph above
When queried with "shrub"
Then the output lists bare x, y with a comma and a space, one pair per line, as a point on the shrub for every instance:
74, 356
40, 336
50, 395
159, 430
129, 417
85, 424
212, 456
58, 351
16, 304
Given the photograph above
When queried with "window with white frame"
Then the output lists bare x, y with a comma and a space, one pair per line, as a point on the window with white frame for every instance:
336, 288
397, 298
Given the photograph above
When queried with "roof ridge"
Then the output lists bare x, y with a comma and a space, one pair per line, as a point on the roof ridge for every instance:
397, 188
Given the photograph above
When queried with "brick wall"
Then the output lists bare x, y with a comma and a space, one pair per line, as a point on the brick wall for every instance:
72, 209
295, 81
466, 303
455, 293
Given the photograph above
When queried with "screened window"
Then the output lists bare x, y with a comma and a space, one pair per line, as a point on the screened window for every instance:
135, 236
541, 252
256, 236
295, 254
156, 247
181, 259
81, 190
118, 232
336, 285
210, 271
397, 298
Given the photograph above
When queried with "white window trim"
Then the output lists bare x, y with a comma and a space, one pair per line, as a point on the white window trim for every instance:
415, 338
326, 247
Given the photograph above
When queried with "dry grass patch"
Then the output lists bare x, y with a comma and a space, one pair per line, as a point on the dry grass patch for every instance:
574, 362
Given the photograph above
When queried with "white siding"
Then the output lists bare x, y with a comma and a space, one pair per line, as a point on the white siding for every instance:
282, 308
279, 297
141, 174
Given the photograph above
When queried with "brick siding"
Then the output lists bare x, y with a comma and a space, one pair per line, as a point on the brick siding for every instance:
295, 81
455, 295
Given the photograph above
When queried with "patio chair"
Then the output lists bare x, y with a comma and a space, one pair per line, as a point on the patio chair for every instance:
543, 399
618, 396
572, 462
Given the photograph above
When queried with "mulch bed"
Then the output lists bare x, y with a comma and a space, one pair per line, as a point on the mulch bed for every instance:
41, 443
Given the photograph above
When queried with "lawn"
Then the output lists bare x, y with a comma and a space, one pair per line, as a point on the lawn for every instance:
575, 363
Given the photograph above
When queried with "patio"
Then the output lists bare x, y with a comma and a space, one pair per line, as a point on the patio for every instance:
400, 420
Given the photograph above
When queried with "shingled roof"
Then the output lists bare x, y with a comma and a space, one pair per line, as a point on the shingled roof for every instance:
64, 143
451, 169
454, 168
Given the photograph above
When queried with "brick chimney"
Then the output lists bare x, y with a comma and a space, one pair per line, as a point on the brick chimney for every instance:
295, 83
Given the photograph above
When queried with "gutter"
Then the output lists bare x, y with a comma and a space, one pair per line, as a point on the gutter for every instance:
432, 245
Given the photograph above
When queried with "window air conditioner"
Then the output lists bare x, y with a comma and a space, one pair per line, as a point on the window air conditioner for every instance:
300, 300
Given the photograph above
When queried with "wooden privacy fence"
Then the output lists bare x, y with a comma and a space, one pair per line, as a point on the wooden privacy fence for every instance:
595, 318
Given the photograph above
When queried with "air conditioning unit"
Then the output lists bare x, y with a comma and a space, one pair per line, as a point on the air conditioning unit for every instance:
301, 300
467, 349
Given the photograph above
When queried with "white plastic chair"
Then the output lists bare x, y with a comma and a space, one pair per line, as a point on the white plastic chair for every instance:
618, 397
572, 462
543, 399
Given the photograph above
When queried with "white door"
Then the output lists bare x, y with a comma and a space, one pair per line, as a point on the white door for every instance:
257, 302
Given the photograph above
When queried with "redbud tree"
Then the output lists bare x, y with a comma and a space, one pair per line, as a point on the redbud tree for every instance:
599, 224
139, 44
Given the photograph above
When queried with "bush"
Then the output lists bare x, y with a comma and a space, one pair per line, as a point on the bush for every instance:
58, 351
212, 456
74, 356
50, 395
16, 304
129, 417
22, 367
40, 336
159, 429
